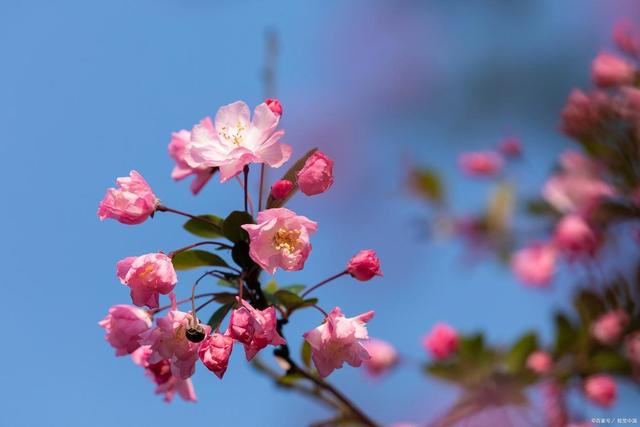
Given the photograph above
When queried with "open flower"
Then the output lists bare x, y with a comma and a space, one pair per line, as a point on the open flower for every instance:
182, 169
601, 389
365, 265
147, 276
481, 163
160, 373
338, 340
280, 239
535, 265
131, 203
316, 176
255, 329
584, 113
236, 141
215, 351
442, 341
124, 325
609, 327
574, 236
383, 356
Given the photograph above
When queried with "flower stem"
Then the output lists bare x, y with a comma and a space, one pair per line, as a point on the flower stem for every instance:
261, 187
208, 242
162, 208
324, 282
159, 309
246, 188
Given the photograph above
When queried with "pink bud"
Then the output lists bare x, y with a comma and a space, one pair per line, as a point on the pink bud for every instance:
274, 105
609, 327
481, 163
535, 265
214, 353
583, 113
574, 236
540, 362
601, 389
441, 341
132, 203
364, 265
627, 37
123, 325
511, 147
316, 176
383, 356
281, 189
610, 70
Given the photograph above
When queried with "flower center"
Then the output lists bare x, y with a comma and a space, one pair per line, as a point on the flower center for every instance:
235, 134
147, 270
286, 240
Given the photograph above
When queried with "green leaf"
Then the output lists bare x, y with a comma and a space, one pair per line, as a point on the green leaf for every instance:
231, 227
203, 229
225, 297
292, 301
289, 379
196, 258
271, 287
589, 306
517, 356
218, 316
427, 183
609, 361
305, 354
447, 371
540, 207
290, 176
471, 346
296, 289
240, 255
566, 335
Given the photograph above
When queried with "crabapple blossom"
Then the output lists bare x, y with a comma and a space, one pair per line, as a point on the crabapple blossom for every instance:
236, 140
169, 341
147, 276
609, 327
281, 189
632, 347
554, 406
255, 329
601, 389
574, 236
131, 203
535, 265
610, 70
182, 169
383, 356
365, 265
280, 239
160, 373
627, 37
274, 105
215, 351
124, 324
481, 163
511, 147
539, 362
316, 176
338, 340
442, 341
584, 113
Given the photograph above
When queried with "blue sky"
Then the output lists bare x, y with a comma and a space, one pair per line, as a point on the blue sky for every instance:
91, 90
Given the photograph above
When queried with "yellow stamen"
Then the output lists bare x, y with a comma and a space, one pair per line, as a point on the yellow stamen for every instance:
286, 240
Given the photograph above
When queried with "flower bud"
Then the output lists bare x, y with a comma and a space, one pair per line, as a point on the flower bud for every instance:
316, 176
540, 362
281, 189
364, 265
601, 390
574, 236
610, 70
609, 327
442, 341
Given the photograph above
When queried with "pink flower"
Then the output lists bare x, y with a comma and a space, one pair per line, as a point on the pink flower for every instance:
274, 105
339, 340
169, 341
281, 189
554, 404
540, 362
182, 169
316, 176
610, 70
627, 37
574, 236
632, 347
280, 239
160, 373
147, 276
481, 163
132, 203
255, 329
511, 147
236, 141
601, 389
609, 327
584, 113
365, 265
215, 352
535, 265
124, 324
442, 341
570, 193
383, 356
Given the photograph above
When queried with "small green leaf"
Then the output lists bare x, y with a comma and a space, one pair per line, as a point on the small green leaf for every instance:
218, 316
204, 229
427, 183
271, 287
292, 301
296, 289
609, 361
305, 354
225, 297
232, 226
566, 335
289, 379
290, 176
517, 356
589, 306
471, 347
196, 258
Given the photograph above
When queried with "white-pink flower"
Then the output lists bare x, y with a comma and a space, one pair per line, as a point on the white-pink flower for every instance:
182, 169
339, 340
124, 325
255, 329
147, 276
280, 239
236, 140
131, 203
535, 265
383, 356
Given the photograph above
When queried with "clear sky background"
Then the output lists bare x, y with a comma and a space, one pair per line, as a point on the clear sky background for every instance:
90, 90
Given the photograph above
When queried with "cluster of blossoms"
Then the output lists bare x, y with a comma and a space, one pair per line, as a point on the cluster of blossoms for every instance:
169, 346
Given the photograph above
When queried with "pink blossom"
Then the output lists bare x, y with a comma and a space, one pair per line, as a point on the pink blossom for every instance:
575, 237
610, 70
280, 239
274, 105
609, 327
554, 405
584, 113
481, 163
338, 340
160, 373
570, 193
182, 169
540, 362
255, 329
383, 356
169, 341
632, 347
316, 176
627, 37
236, 141
442, 341
132, 203
535, 265
281, 189
600, 389
511, 147
147, 276
124, 324
365, 265
215, 351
